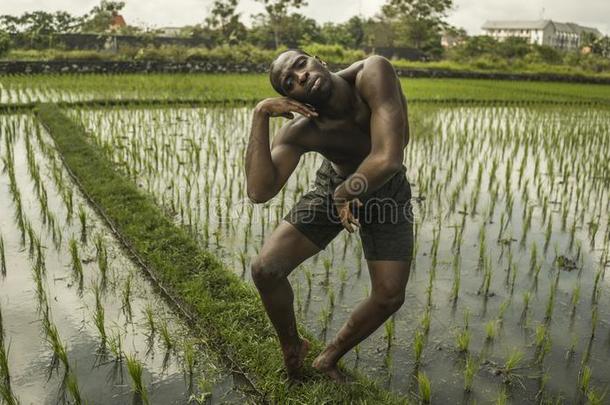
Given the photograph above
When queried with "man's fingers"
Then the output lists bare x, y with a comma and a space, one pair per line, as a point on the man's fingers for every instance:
303, 109
347, 225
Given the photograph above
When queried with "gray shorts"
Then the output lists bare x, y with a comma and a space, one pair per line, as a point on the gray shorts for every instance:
386, 216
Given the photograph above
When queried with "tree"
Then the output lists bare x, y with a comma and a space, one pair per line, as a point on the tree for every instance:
223, 23
277, 13
430, 10
100, 17
349, 34
476, 46
39, 26
417, 23
513, 48
5, 43
599, 45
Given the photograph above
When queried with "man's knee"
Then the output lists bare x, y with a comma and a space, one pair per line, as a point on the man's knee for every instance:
390, 300
265, 274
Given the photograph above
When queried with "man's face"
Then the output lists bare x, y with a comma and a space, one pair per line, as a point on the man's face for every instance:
301, 77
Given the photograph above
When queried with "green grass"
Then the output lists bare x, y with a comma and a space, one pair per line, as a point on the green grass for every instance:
248, 88
227, 309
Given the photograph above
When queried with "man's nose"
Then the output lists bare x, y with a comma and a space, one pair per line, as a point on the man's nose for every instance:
302, 77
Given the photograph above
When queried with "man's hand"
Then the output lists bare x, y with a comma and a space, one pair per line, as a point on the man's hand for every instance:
346, 215
285, 107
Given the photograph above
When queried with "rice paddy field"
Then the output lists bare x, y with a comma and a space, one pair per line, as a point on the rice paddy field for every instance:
79, 320
507, 300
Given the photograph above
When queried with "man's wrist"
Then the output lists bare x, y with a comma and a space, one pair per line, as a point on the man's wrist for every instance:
340, 196
260, 109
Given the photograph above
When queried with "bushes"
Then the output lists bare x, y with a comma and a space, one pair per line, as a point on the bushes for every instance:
5, 43
334, 53
233, 54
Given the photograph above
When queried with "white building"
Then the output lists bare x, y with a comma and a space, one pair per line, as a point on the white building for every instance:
565, 36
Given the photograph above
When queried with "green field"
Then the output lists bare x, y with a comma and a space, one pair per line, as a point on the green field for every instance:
507, 300
250, 88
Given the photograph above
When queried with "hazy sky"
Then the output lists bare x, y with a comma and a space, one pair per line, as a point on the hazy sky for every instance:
469, 14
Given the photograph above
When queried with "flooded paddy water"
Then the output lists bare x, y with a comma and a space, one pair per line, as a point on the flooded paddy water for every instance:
508, 294
80, 323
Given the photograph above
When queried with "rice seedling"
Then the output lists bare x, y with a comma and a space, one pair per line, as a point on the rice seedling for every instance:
462, 340
135, 369
594, 315
57, 346
470, 370
502, 310
6, 392
98, 315
423, 384
149, 317
502, 398
584, 379
455, 288
389, 331
77, 266
327, 262
575, 297
424, 322
72, 388
189, 359
331, 298
596, 291
595, 398
166, 336
309, 279
2, 257
418, 346
542, 342
116, 346
491, 330
82, 216
551, 301
126, 297
102, 257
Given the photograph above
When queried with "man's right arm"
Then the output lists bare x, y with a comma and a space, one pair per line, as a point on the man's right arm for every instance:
268, 168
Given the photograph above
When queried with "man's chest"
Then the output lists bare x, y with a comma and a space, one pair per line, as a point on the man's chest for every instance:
346, 138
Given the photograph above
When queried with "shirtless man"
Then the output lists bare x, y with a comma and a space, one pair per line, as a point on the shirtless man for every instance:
357, 120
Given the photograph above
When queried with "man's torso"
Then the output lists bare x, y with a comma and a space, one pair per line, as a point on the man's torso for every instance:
345, 140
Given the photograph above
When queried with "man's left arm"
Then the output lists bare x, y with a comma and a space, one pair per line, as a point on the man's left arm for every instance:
381, 91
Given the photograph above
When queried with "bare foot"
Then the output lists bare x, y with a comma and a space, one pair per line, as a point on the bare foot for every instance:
322, 364
294, 359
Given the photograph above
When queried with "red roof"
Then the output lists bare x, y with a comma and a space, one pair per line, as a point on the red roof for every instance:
117, 21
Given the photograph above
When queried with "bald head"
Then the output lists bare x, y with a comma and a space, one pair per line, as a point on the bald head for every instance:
298, 75
278, 65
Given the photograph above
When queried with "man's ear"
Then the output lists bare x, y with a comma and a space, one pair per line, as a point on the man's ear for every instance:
321, 61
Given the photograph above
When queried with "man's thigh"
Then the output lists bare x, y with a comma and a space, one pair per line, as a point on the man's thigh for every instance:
389, 239
314, 216
285, 249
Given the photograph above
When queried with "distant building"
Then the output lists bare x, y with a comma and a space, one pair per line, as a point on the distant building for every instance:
170, 31
452, 38
566, 36
117, 22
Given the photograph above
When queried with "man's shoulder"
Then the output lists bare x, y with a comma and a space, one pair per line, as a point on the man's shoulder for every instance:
375, 62
367, 66
376, 77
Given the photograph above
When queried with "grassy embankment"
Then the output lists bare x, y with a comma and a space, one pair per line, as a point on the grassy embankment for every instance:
227, 308
248, 88
333, 54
